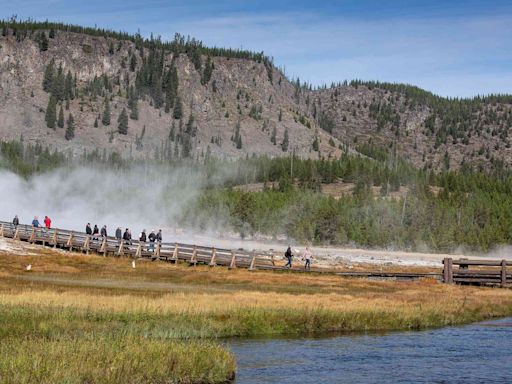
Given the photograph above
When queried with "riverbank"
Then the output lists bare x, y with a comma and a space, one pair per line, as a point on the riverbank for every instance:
157, 322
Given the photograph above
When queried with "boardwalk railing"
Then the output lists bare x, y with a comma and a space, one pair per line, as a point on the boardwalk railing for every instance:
477, 272
172, 252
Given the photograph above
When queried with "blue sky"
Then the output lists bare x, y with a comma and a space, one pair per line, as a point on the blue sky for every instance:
451, 47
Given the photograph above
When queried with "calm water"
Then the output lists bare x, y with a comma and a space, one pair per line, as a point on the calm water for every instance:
478, 353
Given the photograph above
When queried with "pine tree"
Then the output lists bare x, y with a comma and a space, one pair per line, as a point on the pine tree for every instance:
68, 87
315, 145
133, 104
51, 35
273, 138
286, 141
51, 112
96, 122
70, 129
49, 74
207, 72
105, 119
43, 42
122, 122
59, 84
239, 142
133, 63
60, 121
178, 109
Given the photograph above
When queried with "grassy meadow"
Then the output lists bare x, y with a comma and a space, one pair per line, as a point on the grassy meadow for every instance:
89, 319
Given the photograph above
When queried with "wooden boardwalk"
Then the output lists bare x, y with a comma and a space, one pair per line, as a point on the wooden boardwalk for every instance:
231, 258
489, 272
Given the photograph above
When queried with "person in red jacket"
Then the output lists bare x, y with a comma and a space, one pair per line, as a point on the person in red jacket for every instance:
47, 222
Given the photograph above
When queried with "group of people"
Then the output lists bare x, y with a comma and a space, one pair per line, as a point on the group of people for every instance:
35, 223
306, 256
153, 237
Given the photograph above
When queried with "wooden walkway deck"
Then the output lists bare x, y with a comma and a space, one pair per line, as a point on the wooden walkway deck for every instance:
231, 258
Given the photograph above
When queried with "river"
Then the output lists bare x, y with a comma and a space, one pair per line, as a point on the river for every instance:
476, 353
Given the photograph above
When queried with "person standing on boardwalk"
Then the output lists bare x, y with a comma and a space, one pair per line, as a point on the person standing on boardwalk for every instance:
88, 229
288, 254
159, 236
119, 233
104, 231
16, 221
142, 236
127, 236
95, 232
307, 258
35, 222
47, 222
152, 238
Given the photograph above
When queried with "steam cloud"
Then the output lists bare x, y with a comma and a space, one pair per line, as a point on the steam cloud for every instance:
148, 198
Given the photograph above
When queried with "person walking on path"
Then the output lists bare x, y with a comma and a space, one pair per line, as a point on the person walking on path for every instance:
16, 221
307, 258
35, 222
288, 254
119, 233
47, 222
88, 229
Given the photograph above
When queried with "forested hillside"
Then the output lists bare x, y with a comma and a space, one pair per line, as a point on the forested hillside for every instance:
79, 89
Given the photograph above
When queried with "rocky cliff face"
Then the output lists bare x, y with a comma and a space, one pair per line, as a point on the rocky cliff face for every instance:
244, 107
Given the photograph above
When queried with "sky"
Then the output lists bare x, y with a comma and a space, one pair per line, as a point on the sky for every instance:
453, 48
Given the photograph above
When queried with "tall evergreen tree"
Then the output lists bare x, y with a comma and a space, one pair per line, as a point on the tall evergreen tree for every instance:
273, 138
122, 122
59, 84
286, 141
60, 121
51, 112
68, 87
43, 42
49, 74
105, 119
133, 104
178, 109
70, 129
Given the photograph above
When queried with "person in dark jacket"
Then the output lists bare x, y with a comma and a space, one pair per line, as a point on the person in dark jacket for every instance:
35, 222
104, 231
152, 238
142, 236
126, 235
16, 221
95, 232
88, 229
289, 255
159, 236
119, 233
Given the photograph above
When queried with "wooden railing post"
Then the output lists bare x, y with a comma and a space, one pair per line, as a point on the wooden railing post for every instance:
70, 241
32, 235
86, 244
2, 230
448, 270
233, 260
157, 251
193, 259
253, 262
16, 234
272, 258
213, 262
175, 253
120, 250
103, 248
55, 238
138, 253
503, 273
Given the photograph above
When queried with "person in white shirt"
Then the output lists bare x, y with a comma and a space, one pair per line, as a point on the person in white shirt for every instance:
307, 258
